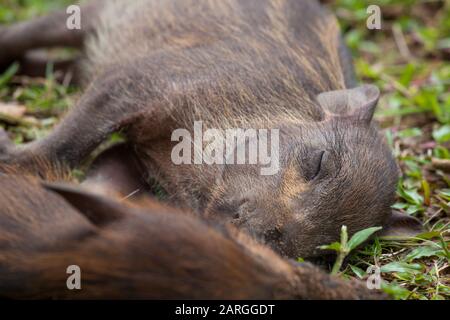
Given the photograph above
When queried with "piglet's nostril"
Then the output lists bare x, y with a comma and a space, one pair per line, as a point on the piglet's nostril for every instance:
273, 235
246, 206
243, 201
243, 208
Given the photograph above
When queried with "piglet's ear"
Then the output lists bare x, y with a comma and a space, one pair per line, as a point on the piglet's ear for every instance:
359, 102
401, 225
99, 210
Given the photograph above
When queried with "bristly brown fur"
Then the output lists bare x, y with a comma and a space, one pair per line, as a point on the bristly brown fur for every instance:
39, 168
233, 63
156, 253
156, 66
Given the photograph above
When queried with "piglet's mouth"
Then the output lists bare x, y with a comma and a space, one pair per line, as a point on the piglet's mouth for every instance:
254, 228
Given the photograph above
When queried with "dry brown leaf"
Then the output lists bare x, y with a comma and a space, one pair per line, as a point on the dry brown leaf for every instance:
12, 110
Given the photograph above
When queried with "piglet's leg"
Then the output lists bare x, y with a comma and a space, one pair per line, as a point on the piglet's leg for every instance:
36, 62
44, 32
109, 104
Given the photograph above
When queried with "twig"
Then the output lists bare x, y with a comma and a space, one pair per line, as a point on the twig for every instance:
130, 195
17, 121
400, 41
441, 164
397, 85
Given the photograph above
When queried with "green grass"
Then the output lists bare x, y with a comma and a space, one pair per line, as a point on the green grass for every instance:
409, 60
415, 112
45, 99
13, 10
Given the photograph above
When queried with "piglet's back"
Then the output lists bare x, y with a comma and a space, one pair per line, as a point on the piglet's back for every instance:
221, 57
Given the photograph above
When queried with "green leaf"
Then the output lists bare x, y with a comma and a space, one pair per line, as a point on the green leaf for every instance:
408, 74
399, 205
409, 133
336, 246
402, 267
427, 251
395, 290
445, 193
413, 209
361, 236
441, 152
358, 271
442, 134
428, 235
7, 76
410, 195
426, 191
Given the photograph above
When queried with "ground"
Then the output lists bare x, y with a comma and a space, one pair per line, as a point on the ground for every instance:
409, 59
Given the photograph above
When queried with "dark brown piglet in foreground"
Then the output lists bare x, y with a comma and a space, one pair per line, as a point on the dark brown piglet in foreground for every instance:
125, 252
152, 67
